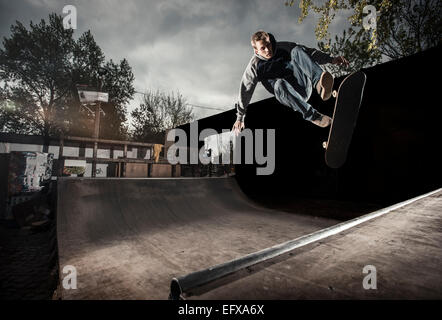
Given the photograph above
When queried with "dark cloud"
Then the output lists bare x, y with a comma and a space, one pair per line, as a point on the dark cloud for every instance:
197, 47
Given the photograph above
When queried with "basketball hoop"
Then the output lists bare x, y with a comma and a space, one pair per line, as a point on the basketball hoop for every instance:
89, 96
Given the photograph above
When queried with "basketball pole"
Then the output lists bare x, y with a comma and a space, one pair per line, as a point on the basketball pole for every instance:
96, 134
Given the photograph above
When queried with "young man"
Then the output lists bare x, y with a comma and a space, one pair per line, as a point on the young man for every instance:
290, 72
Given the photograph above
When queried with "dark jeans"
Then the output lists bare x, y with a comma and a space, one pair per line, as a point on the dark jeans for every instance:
295, 91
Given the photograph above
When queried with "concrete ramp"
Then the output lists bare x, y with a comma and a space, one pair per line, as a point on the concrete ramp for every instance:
127, 238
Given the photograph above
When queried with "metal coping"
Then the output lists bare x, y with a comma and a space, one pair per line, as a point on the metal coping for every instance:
181, 285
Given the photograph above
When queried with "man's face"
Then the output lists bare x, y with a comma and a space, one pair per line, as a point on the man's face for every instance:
264, 48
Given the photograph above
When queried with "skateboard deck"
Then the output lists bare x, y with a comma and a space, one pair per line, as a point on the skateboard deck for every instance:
348, 101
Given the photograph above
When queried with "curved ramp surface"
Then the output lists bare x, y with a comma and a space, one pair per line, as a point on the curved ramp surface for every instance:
400, 252
127, 238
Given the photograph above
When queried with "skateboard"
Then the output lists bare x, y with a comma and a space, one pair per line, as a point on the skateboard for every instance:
348, 101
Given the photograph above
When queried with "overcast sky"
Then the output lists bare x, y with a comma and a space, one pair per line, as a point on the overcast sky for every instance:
197, 47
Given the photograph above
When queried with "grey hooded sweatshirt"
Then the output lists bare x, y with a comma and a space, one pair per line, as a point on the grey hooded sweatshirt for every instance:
267, 71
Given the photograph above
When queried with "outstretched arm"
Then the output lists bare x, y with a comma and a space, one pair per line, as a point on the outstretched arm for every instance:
323, 58
246, 89
317, 55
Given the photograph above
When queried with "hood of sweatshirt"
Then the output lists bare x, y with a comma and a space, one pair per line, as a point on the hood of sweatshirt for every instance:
273, 42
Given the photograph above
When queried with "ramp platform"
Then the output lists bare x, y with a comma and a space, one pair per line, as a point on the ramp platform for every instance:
127, 238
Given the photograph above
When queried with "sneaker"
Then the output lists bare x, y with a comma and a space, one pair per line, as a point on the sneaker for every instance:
325, 85
323, 121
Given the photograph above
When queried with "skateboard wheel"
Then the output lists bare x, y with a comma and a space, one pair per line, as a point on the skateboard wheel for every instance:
324, 144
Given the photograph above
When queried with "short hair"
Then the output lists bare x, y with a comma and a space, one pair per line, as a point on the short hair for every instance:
258, 36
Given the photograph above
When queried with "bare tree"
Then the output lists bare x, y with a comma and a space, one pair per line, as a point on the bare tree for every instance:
157, 112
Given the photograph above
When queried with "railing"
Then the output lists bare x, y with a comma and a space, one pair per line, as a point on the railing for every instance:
94, 159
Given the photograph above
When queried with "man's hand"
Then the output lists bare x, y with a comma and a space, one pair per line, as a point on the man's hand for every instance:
340, 61
237, 127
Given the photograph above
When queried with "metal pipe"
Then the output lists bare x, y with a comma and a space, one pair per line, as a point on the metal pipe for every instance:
184, 284
94, 160
60, 158
105, 141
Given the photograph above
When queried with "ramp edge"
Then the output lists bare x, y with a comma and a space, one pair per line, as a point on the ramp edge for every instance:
180, 287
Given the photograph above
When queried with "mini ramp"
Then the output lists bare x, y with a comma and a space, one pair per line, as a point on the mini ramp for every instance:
127, 238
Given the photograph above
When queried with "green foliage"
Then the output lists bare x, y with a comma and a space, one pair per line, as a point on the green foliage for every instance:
18, 114
34, 66
40, 69
403, 27
354, 49
158, 112
326, 11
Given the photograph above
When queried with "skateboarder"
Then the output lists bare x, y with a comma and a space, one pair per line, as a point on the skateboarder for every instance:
290, 72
